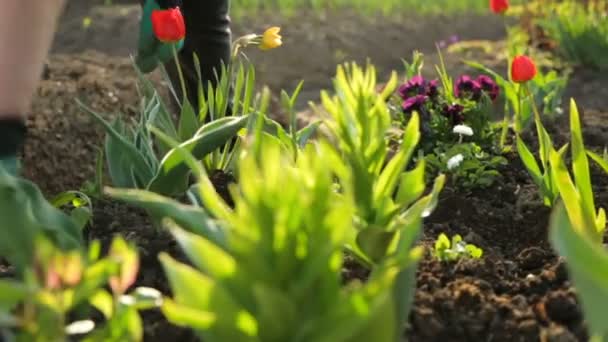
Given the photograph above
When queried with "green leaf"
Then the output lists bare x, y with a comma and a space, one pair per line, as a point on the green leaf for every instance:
199, 292
442, 243
186, 316
95, 276
11, 293
474, 251
26, 214
412, 185
388, 179
529, 161
121, 152
104, 302
172, 174
307, 132
603, 163
204, 254
569, 193
580, 164
374, 242
587, 262
188, 217
188, 122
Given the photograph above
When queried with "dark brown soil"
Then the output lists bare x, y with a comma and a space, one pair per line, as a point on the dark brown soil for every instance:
519, 290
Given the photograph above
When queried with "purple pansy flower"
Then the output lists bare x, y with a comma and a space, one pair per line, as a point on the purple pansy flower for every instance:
415, 103
414, 86
454, 113
488, 85
432, 89
466, 87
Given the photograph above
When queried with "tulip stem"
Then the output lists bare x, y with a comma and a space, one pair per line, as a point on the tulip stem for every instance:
180, 73
540, 129
518, 114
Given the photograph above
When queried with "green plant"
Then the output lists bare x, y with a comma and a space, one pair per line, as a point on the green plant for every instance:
577, 193
580, 30
466, 165
446, 250
61, 285
136, 160
587, 264
543, 178
279, 255
387, 198
26, 214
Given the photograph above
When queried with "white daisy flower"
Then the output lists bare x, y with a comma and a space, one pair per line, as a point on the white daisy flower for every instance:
463, 130
455, 161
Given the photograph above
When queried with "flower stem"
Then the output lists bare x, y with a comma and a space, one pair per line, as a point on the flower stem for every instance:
517, 116
540, 129
180, 73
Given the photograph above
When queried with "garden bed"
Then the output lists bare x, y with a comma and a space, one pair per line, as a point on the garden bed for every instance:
518, 291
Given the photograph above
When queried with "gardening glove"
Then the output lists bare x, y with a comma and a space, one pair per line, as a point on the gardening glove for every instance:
150, 50
12, 136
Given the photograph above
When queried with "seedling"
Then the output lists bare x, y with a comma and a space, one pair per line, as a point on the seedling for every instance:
446, 250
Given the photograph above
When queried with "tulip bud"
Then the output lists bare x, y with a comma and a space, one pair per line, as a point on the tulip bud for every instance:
522, 69
499, 6
168, 25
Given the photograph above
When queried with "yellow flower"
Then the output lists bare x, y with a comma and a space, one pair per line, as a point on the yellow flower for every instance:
271, 38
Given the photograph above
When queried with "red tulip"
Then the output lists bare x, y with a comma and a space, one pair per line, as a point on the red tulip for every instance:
522, 69
168, 25
499, 6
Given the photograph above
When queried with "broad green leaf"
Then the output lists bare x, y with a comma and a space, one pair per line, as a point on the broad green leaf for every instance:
188, 217
12, 292
204, 254
412, 185
104, 302
174, 170
587, 262
187, 316
571, 196
199, 292
307, 132
188, 122
529, 162
580, 164
374, 242
207, 193
25, 215
117, 147
389, 178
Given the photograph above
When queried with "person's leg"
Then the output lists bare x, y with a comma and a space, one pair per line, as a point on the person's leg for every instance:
208, 35
26, 33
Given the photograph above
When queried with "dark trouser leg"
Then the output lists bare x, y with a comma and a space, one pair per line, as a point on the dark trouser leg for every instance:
208, 35
12, 137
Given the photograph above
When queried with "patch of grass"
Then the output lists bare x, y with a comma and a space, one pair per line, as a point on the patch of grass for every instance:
366, 7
